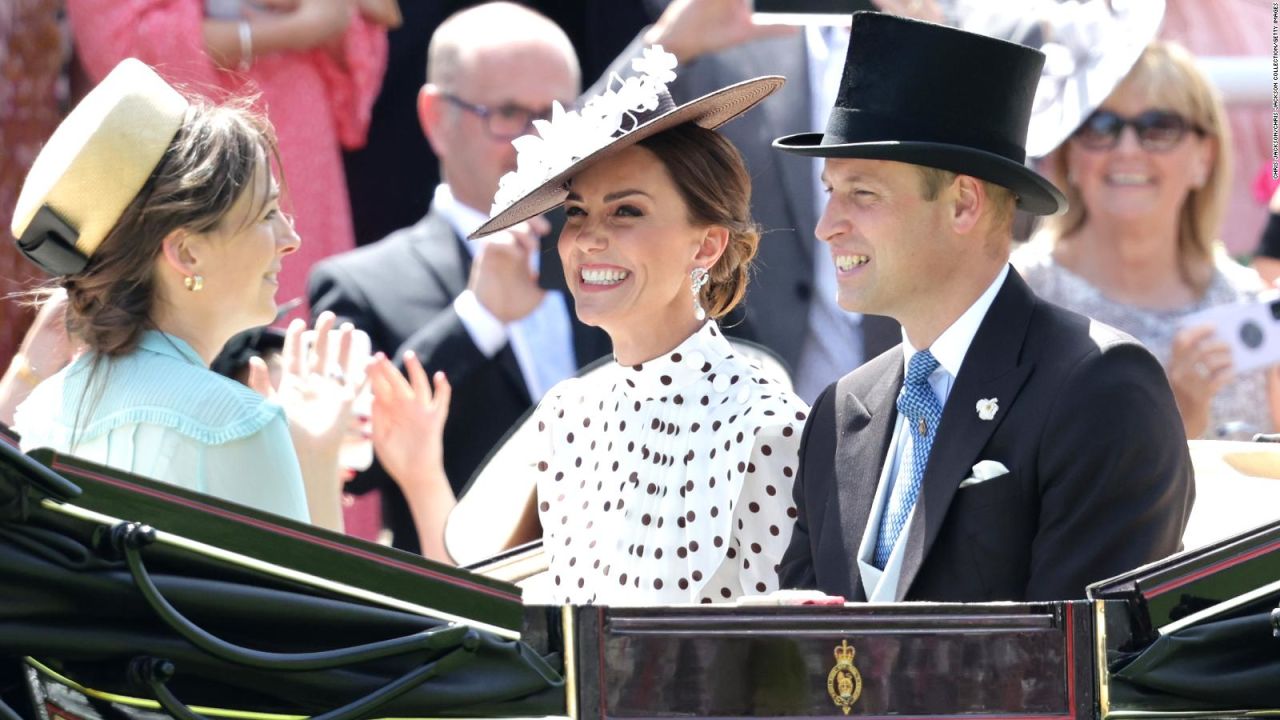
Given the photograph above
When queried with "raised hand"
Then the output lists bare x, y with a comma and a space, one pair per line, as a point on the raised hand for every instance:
1199, 366
501, 277
408, 438
408, 418
691, 28
317, 400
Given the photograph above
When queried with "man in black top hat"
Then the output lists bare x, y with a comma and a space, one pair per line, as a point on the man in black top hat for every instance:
1007, 449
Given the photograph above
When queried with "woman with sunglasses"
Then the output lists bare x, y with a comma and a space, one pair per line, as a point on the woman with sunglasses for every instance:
1146, 175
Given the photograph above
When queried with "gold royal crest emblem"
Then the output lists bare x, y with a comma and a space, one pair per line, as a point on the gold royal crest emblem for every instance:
844, 683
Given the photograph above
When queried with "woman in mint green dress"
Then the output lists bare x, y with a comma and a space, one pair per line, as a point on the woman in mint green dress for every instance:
161, 217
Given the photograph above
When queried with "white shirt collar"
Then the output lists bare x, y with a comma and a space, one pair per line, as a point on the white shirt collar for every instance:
953, 343
464, 220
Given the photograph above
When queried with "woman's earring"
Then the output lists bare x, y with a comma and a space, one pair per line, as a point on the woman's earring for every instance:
194, 283
699, 277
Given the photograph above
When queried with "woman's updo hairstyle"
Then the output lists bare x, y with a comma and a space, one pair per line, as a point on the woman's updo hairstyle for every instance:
212, 159
712, 179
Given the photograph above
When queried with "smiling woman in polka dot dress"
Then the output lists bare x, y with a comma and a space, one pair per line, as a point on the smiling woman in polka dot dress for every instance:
664, 477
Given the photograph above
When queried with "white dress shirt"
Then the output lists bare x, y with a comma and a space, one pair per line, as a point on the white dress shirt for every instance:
542, 340
949, 349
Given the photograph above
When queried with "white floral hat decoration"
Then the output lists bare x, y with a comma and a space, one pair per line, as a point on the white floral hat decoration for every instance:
1089, 47
628, 111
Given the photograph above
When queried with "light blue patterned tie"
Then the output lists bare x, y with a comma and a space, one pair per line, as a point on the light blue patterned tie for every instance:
921, 412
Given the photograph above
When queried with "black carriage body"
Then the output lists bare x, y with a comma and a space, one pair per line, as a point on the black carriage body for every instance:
73, 625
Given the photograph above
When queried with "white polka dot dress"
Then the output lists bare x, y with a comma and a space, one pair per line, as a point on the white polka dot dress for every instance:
667, 482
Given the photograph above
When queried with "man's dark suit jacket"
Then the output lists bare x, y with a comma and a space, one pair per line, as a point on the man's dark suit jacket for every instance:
1099, 482
400, 290
782, 197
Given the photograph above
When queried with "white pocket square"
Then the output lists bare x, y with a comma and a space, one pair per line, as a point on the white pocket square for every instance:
984, 471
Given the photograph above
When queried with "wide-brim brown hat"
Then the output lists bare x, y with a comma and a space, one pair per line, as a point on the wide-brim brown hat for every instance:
709, 111
94, 165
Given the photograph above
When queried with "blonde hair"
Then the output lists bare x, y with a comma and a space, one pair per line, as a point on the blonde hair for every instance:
1166, 76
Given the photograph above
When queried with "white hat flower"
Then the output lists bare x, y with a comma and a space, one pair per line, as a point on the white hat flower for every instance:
657, 64
571, 135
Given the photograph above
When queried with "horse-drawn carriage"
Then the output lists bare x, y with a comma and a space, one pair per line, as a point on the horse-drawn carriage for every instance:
121, 597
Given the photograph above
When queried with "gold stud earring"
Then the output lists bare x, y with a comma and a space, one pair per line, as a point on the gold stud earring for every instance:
194, 283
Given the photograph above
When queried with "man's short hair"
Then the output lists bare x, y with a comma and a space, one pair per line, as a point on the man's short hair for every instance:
1002, 199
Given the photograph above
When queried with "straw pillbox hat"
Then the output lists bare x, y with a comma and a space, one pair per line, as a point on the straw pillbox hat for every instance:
94, 165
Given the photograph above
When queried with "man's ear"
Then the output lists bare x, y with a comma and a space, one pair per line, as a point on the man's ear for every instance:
715, 239
182, 251
968, 200
431, 115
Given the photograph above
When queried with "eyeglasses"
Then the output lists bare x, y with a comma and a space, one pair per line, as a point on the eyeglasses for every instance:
1158, 130
506, 122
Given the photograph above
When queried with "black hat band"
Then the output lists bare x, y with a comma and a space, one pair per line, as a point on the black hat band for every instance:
858, 125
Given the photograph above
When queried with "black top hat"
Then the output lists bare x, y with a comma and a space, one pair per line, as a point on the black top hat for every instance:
932, 95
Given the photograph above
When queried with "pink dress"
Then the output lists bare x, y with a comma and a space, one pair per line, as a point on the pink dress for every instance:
32, 91
318, 104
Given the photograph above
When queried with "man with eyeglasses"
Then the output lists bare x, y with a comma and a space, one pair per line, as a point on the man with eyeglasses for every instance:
473, 310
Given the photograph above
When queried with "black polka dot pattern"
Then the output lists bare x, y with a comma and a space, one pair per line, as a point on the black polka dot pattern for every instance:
645, 501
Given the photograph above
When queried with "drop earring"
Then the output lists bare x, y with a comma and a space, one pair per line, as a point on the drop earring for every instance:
194, 283
699, 277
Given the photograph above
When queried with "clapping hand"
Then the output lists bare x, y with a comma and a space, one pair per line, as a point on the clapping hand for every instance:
47, 347
501, 276
689, 29
1199, 366
408, 420
309, 23
408, 438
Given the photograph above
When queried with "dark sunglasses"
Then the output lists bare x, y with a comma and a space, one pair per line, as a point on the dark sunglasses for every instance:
1158, 130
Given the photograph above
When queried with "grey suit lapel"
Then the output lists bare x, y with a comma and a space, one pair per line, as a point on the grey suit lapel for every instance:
991, 369
442, 253
864, 420
879, 333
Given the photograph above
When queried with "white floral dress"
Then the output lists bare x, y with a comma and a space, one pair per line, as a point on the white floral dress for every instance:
667, 482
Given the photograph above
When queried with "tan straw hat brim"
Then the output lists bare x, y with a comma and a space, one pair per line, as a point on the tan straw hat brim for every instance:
709, 111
